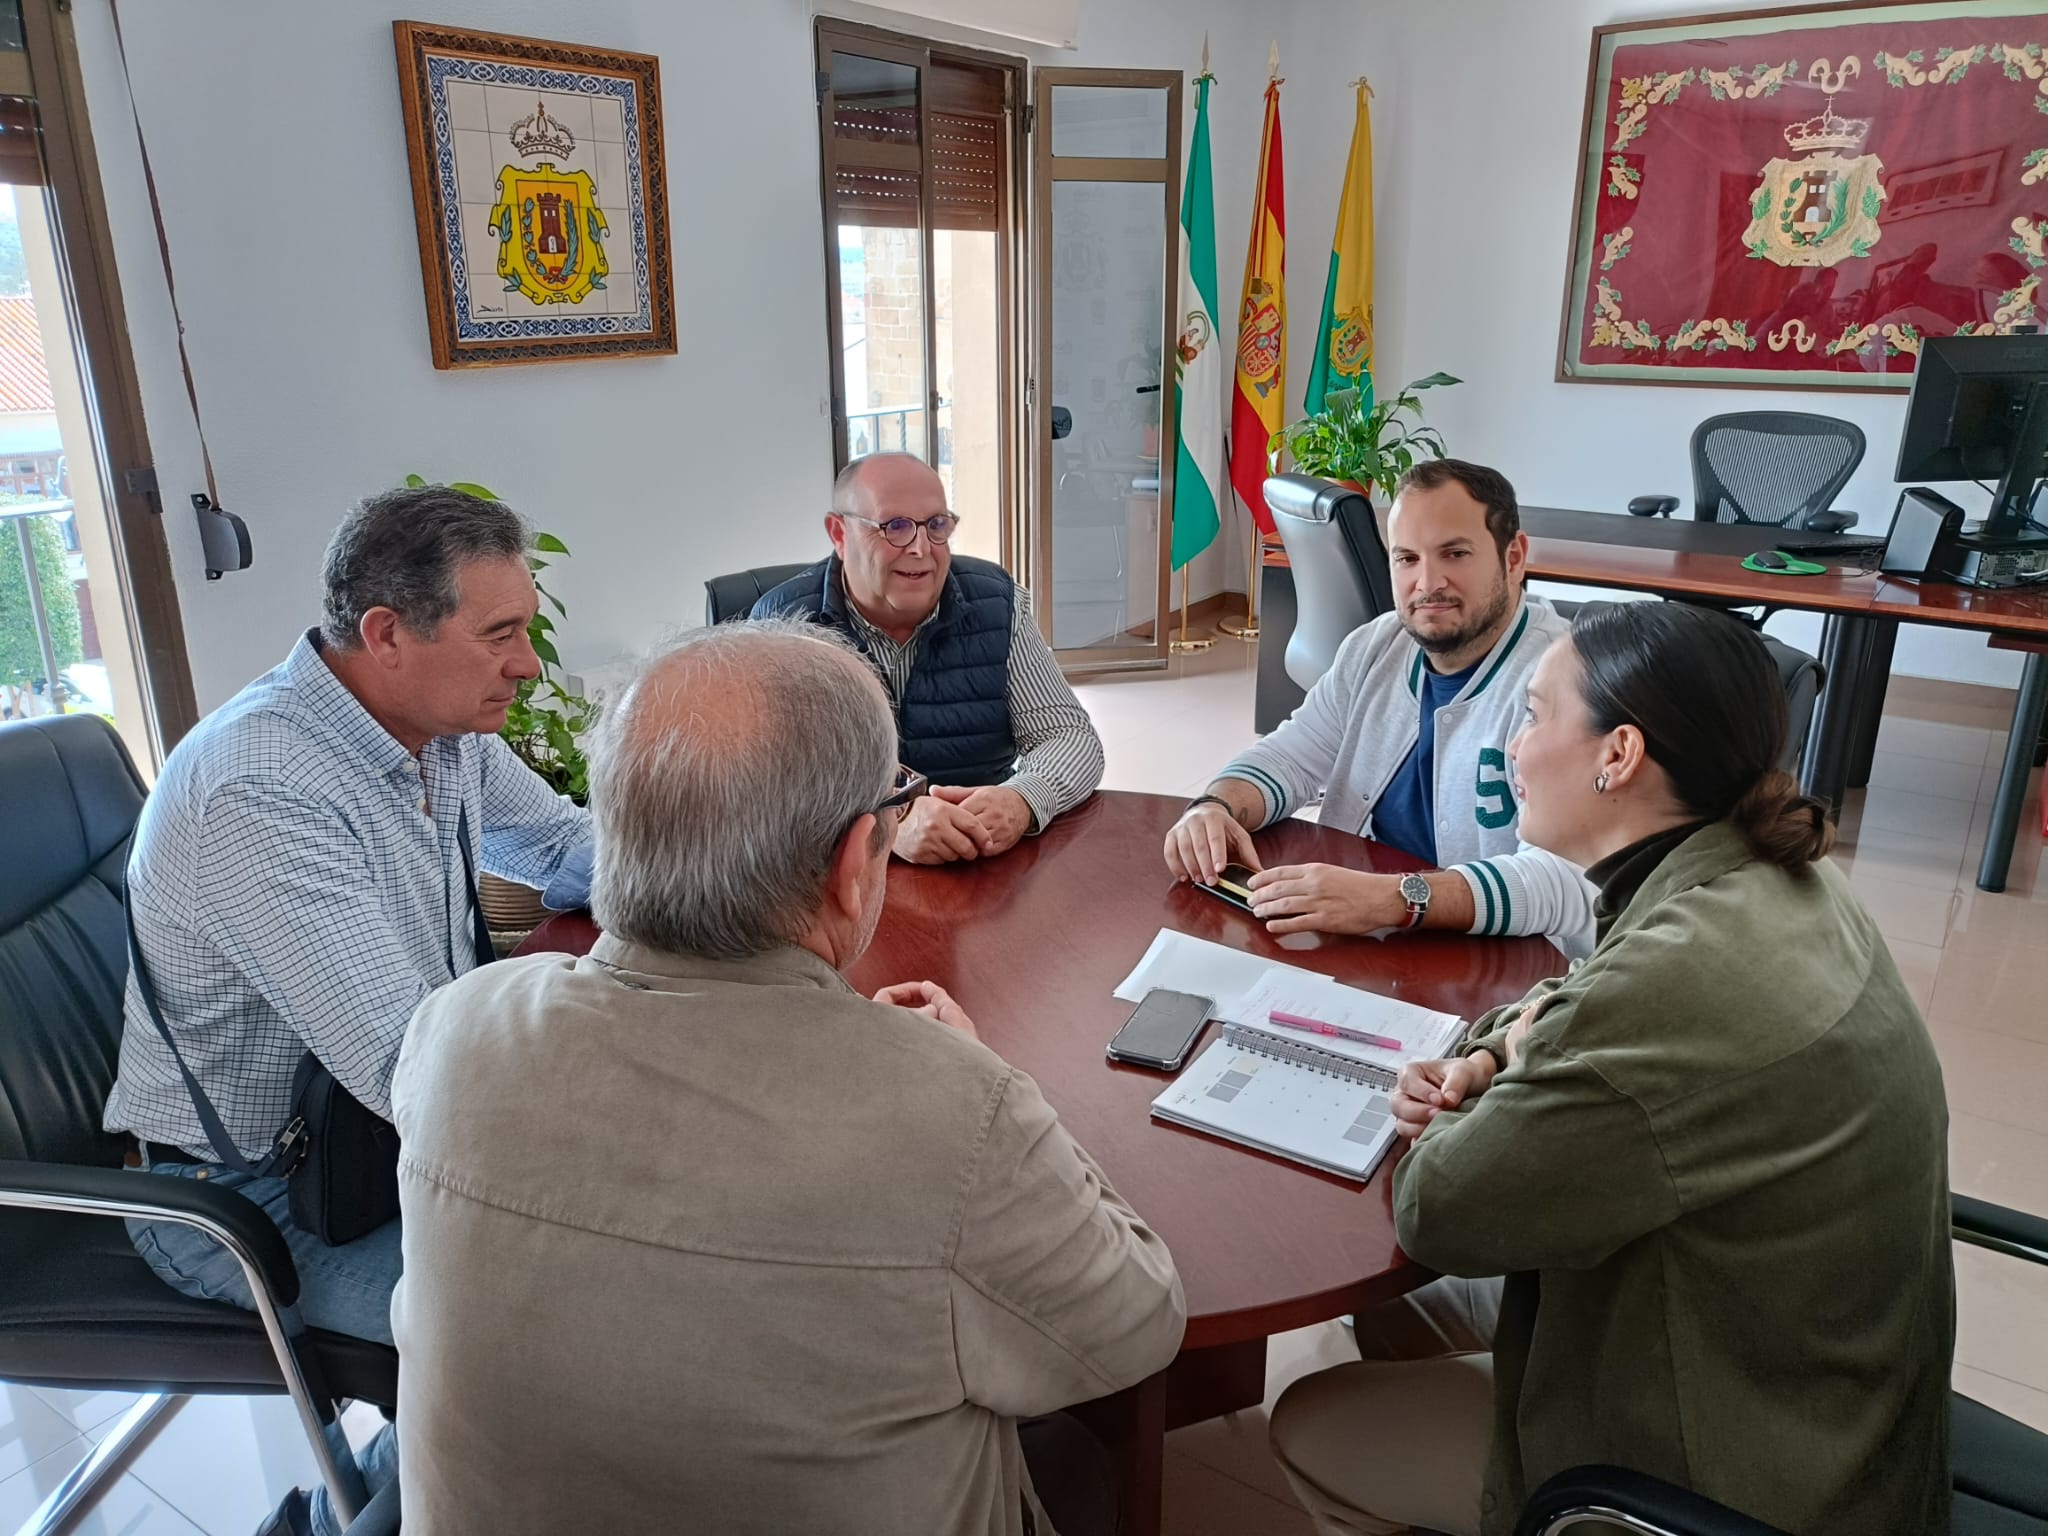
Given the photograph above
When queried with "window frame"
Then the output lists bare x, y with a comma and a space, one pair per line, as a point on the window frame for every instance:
114, 393
833, 35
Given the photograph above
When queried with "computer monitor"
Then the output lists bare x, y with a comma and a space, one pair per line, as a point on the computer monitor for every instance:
1979, 411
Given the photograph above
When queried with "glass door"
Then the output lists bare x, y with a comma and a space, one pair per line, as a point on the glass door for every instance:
1107, 184
917, 154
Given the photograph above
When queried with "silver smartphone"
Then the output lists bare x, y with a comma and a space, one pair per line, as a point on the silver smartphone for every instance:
1162, 1030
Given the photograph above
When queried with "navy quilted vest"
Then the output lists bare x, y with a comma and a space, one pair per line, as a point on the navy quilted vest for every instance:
953, 721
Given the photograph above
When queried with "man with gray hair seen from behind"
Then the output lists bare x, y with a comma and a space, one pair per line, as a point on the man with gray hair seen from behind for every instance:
982, 709
304, 874
695, 1234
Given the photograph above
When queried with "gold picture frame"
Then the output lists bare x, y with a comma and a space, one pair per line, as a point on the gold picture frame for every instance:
540, 195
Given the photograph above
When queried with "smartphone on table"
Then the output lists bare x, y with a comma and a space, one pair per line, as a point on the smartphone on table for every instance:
1162, 1030
1233, 884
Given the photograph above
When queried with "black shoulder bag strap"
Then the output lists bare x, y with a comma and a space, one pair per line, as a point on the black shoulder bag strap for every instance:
289, 1146
480, 931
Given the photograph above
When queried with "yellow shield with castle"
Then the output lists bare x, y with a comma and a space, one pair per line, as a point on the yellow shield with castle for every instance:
1351, 343
550, 233
1816, 211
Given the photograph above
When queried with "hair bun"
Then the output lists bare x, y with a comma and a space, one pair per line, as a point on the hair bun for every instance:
1782, 825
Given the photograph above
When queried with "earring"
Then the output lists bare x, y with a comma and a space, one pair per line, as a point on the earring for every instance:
1600, 784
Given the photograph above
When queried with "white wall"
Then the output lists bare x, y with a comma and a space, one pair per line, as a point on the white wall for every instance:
1477, 163
279, 154
280, 160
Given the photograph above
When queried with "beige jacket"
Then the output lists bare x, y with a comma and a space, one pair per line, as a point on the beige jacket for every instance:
726, 1247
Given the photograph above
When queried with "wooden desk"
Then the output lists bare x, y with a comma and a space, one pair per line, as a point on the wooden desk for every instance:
1683, 558
1032, 944
2015, 618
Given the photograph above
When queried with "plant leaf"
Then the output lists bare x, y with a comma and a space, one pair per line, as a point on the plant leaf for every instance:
548, 544
471, 488
414, 482
544, 648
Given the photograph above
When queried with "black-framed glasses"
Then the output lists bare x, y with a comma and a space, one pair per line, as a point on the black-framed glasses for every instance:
902, 531
909, 785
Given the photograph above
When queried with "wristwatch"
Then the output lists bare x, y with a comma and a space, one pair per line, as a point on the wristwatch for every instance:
1415, 891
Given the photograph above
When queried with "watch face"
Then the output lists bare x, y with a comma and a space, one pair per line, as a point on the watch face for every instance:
1415, 889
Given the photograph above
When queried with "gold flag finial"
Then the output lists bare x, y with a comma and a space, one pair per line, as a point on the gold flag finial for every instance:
1205, 55
1273, 61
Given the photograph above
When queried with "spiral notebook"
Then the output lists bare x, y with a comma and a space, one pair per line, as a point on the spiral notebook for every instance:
1318, 1099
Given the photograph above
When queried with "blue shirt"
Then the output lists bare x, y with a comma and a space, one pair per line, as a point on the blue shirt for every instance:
1404, 817
297, 885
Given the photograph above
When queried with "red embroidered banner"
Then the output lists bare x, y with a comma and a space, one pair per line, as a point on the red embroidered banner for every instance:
1802, 199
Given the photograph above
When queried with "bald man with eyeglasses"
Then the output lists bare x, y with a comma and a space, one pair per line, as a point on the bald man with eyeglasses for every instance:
982, 710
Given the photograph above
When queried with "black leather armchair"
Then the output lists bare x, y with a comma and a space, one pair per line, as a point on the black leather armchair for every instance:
78, 1307
733, 596
1999, 1466
1799, 672
1339, 565
1784, 468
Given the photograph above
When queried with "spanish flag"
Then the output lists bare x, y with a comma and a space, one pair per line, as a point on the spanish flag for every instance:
1256, 410
1343, 358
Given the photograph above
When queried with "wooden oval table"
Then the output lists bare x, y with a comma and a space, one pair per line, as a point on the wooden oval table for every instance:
1032, 944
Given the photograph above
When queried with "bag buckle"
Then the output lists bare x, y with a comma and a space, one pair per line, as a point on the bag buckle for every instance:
287, 1139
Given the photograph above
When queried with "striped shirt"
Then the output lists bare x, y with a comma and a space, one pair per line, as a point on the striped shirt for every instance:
297, 885
1059, 756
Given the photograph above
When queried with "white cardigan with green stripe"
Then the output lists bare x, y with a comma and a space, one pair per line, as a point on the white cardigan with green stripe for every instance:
1359, 724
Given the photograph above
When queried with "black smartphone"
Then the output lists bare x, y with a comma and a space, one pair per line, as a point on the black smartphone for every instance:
1161, 1030
1233, 884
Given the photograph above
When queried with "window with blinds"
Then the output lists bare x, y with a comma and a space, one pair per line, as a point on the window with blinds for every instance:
917, 154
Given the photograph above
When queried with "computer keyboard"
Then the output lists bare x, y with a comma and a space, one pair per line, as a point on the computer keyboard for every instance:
1828, 544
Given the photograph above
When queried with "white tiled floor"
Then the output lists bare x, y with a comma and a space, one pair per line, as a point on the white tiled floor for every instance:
1910, 845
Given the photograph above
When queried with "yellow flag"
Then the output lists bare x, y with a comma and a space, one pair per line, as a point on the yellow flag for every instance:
1343, 357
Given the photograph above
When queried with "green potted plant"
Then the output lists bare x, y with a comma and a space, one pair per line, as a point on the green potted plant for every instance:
545, 728
1365, 448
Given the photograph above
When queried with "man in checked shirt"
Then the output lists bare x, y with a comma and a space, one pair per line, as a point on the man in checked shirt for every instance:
981, 708
302, 877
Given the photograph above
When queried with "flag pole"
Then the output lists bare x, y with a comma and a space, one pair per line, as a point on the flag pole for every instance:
1248, 629
1184, 643
1187, 644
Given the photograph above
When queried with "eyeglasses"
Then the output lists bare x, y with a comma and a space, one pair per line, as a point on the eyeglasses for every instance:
902, 531
909, 785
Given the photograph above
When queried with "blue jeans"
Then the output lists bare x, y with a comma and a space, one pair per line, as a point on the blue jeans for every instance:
345, 1289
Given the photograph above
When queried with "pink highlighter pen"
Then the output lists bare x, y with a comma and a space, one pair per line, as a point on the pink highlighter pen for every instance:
1318, 1027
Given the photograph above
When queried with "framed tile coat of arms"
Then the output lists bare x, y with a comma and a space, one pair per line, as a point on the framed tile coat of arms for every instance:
1801, 197
539, 190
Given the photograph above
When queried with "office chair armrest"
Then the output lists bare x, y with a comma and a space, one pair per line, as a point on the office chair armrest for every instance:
1633, 1501
228, 1217
1831, 522
1653, 506
1985, 1225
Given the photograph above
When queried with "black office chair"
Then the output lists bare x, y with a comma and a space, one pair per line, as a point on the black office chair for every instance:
734, 596
78, 1307
1784, 468
1339, 564
1801, 674
1998, 1466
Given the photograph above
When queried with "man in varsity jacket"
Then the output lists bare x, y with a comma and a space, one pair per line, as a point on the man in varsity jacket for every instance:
981, 707
1404, 740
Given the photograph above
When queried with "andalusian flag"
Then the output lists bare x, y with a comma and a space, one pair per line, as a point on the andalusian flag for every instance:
1343, 357
1197, 365
1256, 411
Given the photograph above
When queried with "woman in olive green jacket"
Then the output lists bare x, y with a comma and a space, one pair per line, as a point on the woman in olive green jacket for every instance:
1710, 1161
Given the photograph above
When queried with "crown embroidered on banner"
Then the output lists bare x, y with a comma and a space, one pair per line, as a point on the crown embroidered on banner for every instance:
1827, 131
543, 135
